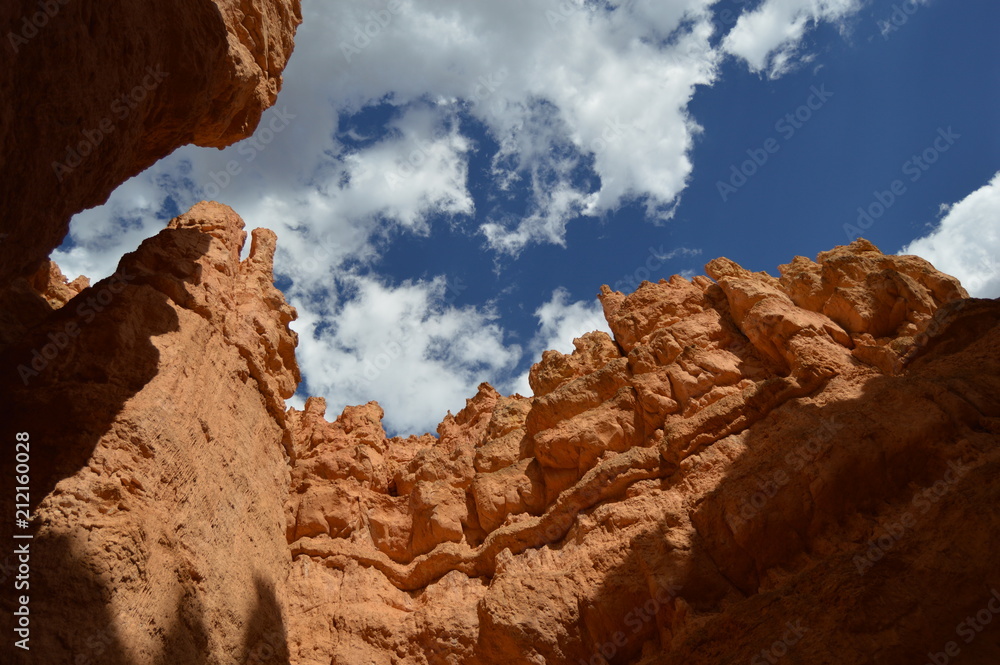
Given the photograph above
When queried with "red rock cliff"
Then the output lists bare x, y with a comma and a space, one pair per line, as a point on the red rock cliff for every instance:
752, 467
92, 94
798, 468
157, 429
752, 464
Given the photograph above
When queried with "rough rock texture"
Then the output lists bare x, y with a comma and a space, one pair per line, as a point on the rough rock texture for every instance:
753, 467
155, 408
795, 469
799, 467
104, 90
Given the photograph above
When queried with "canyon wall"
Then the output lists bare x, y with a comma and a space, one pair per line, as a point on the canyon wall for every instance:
153, 400
799, 463
798, 468
93, 93
154, 404
750, 465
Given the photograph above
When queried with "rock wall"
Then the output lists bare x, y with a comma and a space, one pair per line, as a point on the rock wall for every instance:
794, 469
752, 467
93, 93
157, 443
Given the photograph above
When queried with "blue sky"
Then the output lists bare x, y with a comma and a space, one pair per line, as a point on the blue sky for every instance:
451, 189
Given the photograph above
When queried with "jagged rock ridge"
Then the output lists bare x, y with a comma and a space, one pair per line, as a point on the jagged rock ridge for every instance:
158, 487
730, 449
723, 465
798, 468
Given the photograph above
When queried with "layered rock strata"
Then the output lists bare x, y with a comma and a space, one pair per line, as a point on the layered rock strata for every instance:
750, 465
749, 459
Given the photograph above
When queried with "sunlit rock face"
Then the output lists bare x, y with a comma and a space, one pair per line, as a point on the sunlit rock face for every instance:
158, 438
797, 468
747, 464
739, 472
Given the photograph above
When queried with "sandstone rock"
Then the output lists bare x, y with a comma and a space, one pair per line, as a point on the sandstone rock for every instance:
798, 468
750, 462
49, 282
91, 98
684, 491
158, 467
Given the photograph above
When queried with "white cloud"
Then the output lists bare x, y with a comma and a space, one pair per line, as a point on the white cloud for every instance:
404, 346
589, 108
900, 15
565, 87
559, 323
966, 242
102, 235
769, 36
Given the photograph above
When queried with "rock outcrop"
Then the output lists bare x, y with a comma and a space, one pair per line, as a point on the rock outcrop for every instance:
752, 466
798, 468
92, 95
154, 403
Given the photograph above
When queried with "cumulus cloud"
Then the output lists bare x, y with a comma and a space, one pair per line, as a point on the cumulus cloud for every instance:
586, 103
406, 346
768, 38
966, 241
586, 100
564, 88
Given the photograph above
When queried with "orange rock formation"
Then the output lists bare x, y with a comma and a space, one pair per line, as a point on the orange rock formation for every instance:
795, 469
92, 96
746, 454
752, 464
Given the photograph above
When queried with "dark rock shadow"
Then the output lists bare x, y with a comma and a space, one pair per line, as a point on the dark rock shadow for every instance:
265, 639
90, 357
104, 92
782, 540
